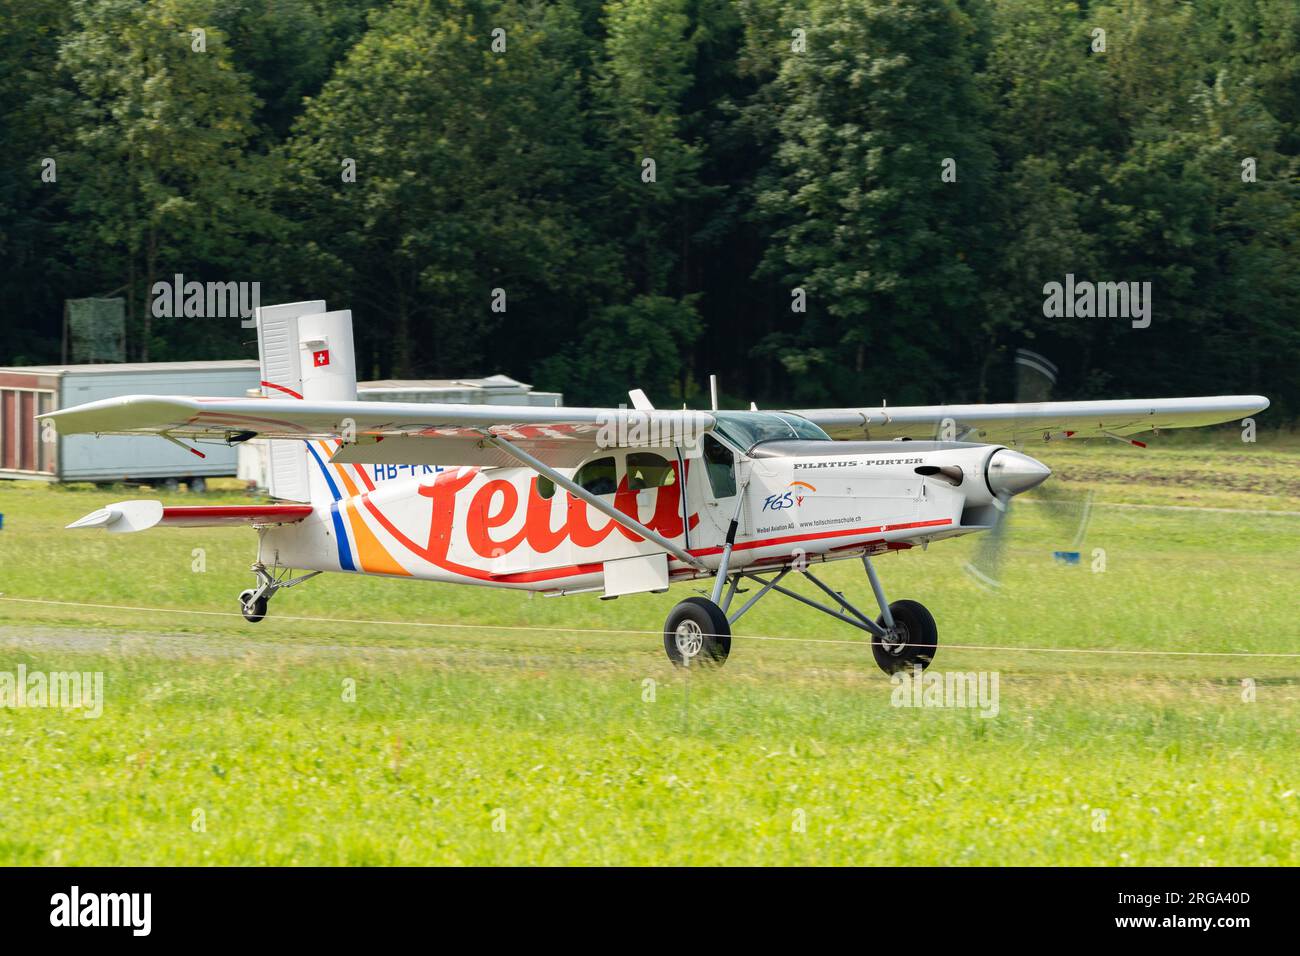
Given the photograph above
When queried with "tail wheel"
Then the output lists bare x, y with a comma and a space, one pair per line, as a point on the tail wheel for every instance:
912, 641
252, 610
697, 632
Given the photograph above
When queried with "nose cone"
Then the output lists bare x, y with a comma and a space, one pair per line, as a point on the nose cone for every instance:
1010, 472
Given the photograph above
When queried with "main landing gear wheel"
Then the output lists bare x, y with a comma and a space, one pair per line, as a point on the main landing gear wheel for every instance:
697, 632
912, 640
253, 611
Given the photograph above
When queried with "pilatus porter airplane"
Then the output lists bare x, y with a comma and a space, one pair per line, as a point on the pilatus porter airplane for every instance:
612, 500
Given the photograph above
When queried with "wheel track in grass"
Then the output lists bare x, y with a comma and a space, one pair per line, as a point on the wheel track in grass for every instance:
7, 632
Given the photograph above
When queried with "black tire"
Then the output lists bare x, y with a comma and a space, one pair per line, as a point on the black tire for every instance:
196, 486
252, 612
700, 619
915, 639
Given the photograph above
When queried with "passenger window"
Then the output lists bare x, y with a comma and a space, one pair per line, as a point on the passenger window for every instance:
545, 488
648, 470
720, 465
598, 477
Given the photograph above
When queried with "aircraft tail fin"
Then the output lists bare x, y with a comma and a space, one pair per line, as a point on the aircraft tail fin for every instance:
306, 353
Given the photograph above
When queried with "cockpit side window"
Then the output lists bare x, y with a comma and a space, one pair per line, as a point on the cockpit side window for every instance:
720, 464
645, 470
598, 476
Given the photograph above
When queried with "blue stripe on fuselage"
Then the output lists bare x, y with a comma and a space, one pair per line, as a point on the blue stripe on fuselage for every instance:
345, 549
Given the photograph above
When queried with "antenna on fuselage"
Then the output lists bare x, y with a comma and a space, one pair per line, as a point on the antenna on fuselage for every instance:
713, 391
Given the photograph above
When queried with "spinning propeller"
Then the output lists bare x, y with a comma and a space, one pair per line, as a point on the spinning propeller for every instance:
1008, 475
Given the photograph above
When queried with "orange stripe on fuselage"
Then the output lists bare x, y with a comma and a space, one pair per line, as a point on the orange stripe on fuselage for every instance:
373, 556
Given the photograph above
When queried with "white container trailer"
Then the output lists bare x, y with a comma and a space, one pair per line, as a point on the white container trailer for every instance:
29, 391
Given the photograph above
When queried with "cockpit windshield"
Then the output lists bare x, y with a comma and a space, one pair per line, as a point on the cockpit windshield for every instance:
747, 429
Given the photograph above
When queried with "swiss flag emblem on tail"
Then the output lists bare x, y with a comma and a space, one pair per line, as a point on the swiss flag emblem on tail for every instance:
320, 357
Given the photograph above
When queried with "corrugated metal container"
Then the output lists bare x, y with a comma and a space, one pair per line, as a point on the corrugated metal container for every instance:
29, 391
493, 390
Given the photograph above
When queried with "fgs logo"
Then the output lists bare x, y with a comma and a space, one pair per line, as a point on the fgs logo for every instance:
790, 499
778, 502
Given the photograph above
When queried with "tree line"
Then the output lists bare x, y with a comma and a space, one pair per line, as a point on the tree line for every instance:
836, 202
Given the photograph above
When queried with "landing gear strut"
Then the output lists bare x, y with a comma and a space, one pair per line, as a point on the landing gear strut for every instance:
699, 629
253, 602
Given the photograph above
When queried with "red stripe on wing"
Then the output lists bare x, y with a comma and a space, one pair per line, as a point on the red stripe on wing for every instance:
214, 515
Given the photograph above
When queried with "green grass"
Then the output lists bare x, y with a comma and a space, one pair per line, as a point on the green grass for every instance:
551, 723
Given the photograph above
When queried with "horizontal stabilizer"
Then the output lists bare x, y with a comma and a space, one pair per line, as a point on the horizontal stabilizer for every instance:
124, 516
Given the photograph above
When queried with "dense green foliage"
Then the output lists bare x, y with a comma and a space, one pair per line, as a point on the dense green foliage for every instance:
833, 202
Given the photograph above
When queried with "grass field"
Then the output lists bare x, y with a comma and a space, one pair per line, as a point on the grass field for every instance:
491, 728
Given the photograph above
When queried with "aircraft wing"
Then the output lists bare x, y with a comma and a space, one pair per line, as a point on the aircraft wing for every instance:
1019, 422
410, 433
389, 432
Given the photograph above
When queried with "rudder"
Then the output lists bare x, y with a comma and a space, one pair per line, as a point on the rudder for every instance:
306, 353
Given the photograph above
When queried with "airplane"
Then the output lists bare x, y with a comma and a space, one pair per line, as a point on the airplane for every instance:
617, 501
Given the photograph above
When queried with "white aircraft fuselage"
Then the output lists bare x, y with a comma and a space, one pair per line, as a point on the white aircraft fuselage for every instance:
795, 501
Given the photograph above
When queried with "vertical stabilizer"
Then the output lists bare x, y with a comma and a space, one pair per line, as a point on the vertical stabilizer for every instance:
306, 352
328, 367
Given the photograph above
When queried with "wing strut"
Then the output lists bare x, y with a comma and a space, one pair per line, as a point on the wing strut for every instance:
594, 500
